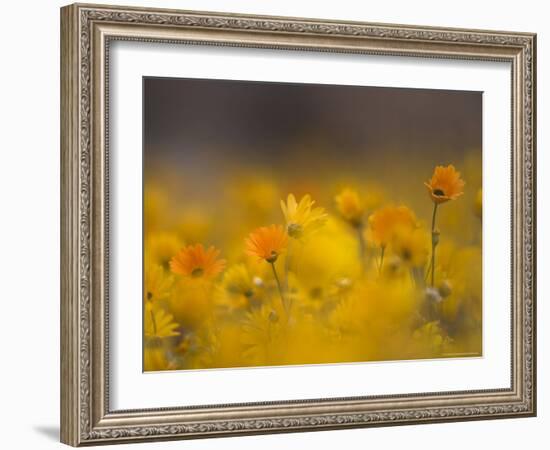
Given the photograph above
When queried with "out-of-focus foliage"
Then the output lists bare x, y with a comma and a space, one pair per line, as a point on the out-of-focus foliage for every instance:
275, 273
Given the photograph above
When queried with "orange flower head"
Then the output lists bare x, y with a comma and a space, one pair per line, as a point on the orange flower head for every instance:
349, 206
196, 262
445, 184
267, 242
387, 221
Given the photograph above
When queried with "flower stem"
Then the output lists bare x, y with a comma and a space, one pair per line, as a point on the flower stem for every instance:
434, 245
287, 266
382, 251
362, 246
279, 287
154, 322
287, 278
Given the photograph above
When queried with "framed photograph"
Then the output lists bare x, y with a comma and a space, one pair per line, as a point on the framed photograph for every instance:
275, 224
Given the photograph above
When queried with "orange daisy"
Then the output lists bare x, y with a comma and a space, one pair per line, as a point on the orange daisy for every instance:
385, 222
196, 262
445, 184
267, 242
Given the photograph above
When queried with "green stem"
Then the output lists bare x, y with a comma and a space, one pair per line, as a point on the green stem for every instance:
154, 322
362, 246
287, 267
382, 251
287, 278
434, 244
279, 288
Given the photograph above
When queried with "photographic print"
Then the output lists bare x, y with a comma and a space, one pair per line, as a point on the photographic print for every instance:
292, 224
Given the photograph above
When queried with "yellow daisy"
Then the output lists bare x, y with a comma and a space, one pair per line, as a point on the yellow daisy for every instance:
302, 218
350, 207
158, 323
156, 283
411, 245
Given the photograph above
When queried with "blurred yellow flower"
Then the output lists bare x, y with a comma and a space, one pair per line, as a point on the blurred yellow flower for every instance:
257, 193
260, 330
384, 223
191, 302
157, 283
267, 242
154, 358
155, 203
196, 262
160, 247
302, 218
354, 285
158, 324
237, 280
236, 288
193, 224
411, 245
478, 203
445, 184
349, 206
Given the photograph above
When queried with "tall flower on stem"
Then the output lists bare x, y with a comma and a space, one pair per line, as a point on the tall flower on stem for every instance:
267, 243
302, 218
352, 210
445, 185
386, 222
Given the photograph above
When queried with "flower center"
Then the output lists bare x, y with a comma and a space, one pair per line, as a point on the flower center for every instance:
149, 295
439, 192
197, 272
406, 254
273, 257
294, 230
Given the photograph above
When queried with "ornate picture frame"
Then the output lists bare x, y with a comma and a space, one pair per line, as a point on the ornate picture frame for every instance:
87, 32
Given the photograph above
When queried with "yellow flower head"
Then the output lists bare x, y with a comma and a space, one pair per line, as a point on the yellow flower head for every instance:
478, 204
156, 283
411, 245
445, 184
385, 222
196, 262
302, 218
236, 289
349, 206
159, 324
160, 246
267, 242
237, 280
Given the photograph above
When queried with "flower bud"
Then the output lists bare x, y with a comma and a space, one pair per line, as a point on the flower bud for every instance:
435, 236
432, 295
445, 288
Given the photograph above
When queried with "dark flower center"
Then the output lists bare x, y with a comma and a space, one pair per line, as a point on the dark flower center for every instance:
294, 230
149, 295
273, 257
439, 192
197, 272
406, 254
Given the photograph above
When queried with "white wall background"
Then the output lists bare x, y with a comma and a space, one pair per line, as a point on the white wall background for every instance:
29, 222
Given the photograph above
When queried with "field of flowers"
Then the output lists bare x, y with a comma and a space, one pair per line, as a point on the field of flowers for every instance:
278, 273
